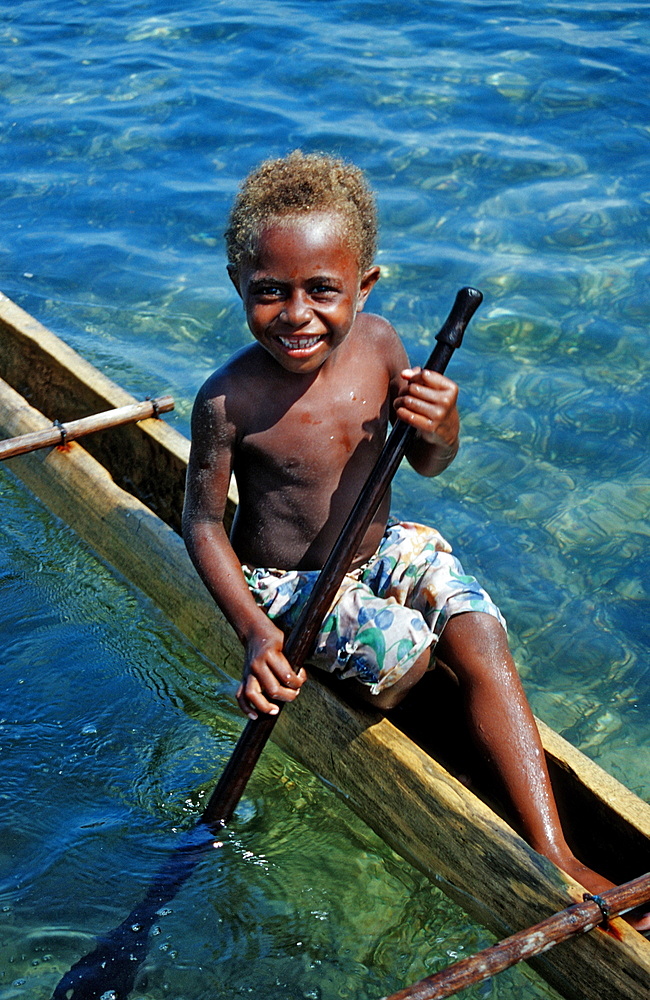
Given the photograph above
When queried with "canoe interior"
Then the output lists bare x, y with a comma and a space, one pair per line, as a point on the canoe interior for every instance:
597, 832
148, 463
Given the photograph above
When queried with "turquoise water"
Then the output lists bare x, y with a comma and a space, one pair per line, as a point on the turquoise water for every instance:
509, 147
112, 731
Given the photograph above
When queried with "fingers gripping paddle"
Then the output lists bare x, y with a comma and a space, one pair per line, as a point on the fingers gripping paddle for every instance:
109, 972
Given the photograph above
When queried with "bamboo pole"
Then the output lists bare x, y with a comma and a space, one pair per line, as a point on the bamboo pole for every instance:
60, 434
576, 919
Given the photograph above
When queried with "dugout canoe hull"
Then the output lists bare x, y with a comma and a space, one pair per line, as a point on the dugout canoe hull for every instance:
122, 492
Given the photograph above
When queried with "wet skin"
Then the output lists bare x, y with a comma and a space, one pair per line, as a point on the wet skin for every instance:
300, 416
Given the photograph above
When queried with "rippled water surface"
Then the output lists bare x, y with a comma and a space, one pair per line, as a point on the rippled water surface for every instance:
509, 147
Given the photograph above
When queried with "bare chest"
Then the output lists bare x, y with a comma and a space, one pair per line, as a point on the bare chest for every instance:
309, 442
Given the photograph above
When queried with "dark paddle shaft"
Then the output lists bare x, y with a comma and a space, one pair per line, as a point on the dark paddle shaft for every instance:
232, 783
112, 967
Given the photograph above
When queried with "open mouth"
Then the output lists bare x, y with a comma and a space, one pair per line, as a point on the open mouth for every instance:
299, 343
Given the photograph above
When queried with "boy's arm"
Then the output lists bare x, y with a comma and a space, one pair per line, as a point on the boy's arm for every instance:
267, 674
427, 401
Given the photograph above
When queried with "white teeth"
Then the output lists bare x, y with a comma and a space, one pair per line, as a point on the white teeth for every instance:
298, 343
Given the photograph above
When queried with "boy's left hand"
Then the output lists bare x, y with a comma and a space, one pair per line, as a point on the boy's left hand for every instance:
428, 403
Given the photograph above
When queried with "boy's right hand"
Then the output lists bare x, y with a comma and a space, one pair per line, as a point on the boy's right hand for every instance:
267, 675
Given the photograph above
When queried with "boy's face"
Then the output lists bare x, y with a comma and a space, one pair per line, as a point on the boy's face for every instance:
303, 291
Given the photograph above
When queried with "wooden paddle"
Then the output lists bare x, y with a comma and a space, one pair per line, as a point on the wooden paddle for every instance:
59, 434
110, 970
576, 919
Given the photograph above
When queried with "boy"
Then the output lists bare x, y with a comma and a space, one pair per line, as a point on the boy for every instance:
300, 417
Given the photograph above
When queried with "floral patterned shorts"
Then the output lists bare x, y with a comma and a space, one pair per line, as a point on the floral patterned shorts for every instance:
387, 612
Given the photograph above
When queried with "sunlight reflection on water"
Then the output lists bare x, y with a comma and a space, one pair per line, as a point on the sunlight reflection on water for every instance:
509, 151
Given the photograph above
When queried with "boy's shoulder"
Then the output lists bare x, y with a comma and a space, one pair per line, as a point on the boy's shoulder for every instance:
378, 339
225, 398
378, 327
248, 364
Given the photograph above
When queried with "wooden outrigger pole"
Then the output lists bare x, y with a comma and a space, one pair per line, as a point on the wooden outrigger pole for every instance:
580, 918
59, 435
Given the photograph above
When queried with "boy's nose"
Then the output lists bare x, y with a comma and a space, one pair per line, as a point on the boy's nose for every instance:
297, 310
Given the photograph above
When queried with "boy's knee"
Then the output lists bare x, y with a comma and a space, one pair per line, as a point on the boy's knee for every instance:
391, 696
474, 627
475, 645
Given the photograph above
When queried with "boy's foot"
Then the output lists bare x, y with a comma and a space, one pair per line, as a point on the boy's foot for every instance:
639, 918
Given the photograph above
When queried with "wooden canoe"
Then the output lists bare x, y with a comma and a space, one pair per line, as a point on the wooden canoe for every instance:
122, 492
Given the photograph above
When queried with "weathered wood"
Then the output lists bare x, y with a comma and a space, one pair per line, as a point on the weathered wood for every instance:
579, 918
148, 461
59, 435
402, 792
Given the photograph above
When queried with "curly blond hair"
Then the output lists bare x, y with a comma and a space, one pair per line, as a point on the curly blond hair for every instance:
296, 185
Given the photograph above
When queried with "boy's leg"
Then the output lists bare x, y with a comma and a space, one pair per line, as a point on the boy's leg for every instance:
390, 697
475, 647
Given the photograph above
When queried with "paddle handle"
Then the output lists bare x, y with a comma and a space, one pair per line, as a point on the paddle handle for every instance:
231, 785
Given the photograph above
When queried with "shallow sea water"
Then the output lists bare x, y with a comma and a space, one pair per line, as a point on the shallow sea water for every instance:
508, 145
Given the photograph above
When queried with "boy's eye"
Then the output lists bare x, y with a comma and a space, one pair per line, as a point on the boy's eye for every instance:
267, 291
323, 288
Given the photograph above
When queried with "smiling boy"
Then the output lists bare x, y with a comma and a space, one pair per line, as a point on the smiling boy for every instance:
300, 417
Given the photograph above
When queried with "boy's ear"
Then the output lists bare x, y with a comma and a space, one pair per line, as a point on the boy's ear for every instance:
234, 277
368, 281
